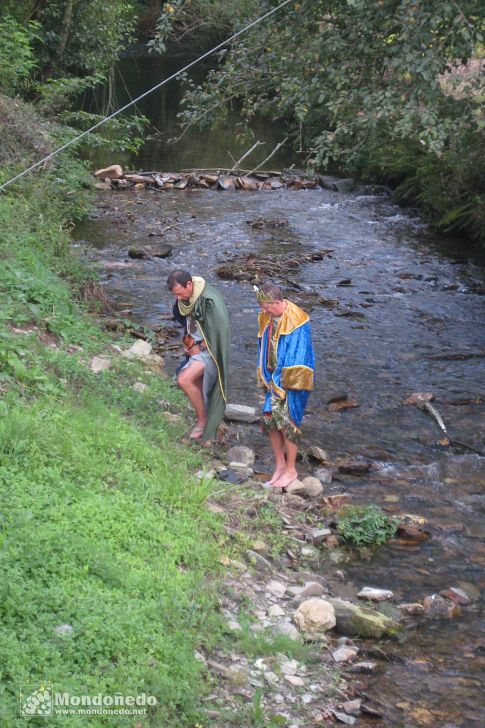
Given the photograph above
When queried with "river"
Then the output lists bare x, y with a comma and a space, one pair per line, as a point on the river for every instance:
395, 309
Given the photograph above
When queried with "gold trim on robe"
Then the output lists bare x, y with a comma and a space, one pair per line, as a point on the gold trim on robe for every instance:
297, 377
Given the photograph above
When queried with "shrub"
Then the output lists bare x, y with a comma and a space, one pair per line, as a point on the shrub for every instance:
364, 525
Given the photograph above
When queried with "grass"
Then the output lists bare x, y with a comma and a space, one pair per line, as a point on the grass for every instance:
101, 524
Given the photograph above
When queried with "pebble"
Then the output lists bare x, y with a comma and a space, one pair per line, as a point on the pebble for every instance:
324, 475
318, 454
414, 609
319, 535
100, 364
294, 680
276, 611
363, 667
289, 667
276, 588
375, 595
344, 653
288, 630
309, 552
310, 589
240, 454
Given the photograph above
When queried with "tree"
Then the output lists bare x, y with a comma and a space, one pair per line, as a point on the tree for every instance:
360, 85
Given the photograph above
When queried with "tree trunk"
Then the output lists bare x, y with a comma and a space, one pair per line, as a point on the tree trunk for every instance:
66, 27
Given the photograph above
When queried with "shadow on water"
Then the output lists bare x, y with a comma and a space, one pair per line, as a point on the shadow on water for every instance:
409, 319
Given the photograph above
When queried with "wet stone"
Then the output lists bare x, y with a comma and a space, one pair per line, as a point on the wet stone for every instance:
344, 653
456, 595
375, 595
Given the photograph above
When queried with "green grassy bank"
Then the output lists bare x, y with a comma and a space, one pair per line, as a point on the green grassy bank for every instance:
106, 553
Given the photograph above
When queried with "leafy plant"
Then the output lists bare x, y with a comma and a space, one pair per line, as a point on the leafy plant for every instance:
365, 525
17, 59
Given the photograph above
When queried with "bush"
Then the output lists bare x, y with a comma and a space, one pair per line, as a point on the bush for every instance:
365, 525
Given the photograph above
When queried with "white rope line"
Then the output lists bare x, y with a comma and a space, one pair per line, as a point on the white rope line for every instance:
146, 93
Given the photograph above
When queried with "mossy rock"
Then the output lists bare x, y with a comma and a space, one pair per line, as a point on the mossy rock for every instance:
354, 620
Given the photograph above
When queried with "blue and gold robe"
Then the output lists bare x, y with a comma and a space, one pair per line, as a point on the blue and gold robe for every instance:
294, 373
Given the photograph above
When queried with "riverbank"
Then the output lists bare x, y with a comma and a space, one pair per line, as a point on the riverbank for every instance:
107, 555
117, 581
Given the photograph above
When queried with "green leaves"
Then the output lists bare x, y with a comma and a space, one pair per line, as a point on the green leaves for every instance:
365, 525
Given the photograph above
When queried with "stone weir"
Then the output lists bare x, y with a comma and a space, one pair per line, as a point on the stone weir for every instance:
113, 177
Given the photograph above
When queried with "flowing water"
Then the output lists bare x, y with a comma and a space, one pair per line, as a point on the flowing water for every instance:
395, 310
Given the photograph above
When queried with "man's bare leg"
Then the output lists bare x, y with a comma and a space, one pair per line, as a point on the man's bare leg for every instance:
289, 473
190, 382
276, 441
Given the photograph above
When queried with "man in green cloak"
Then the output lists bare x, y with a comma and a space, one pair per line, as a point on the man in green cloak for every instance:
203, 378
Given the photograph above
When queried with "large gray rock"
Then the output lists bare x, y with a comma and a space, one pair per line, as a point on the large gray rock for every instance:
240, 413
240, 454
314, 617
354, 620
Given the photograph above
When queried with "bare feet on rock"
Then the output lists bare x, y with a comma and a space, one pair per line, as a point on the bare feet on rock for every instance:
285, 479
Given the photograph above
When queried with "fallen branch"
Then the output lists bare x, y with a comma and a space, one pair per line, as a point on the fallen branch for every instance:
246, 154
280, 144
427, 407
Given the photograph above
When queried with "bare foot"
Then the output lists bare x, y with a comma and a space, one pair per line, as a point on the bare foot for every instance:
196, 433
285, 479
276, 475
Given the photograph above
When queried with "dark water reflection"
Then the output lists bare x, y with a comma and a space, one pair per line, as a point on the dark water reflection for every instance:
408, 304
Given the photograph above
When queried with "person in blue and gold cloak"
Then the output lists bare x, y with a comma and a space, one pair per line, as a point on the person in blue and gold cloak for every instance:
286, 369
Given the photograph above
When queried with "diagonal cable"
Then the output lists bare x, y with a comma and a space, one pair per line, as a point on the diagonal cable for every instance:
146, 93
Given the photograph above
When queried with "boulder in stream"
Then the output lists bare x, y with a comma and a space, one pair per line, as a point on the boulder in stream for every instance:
354, 620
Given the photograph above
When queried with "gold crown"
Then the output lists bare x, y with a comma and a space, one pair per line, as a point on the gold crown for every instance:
262, 296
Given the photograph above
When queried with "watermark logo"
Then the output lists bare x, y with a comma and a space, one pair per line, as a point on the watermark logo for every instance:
45, 701
36, 702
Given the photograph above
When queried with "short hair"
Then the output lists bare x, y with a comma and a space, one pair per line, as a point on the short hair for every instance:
180, 277
271, 289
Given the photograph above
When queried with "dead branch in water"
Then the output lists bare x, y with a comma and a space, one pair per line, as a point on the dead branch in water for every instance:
280, 144
246, 154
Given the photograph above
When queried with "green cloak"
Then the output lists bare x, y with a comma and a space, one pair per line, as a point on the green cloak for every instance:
210, 312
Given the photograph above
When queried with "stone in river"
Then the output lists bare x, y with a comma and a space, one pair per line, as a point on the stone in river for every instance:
414, 609
375, 595
240, 413
456, 595
436, 607
354, 620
